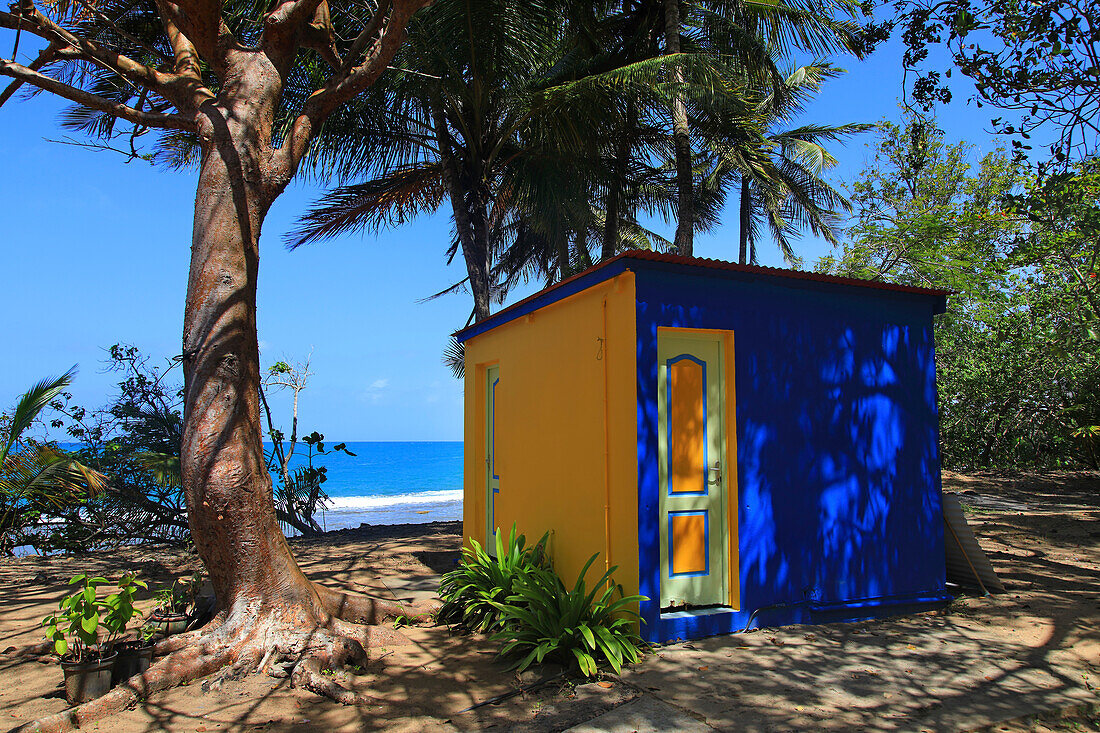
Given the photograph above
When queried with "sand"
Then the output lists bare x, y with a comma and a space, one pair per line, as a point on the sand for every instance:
1042, 534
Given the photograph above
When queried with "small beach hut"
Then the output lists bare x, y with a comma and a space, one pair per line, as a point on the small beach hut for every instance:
750, 446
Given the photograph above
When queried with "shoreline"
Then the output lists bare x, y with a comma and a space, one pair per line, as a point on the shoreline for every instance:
340, 518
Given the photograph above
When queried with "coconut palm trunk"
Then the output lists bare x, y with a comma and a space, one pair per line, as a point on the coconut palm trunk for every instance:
745, 230
681, 138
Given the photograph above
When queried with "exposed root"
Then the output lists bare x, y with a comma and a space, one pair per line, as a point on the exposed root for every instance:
188, 638
307, 675
171, 671
234, 645
244, 665
309, 672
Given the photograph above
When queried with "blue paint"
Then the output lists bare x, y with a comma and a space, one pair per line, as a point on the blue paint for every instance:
573, 286
668, 421
706, 543
839, 514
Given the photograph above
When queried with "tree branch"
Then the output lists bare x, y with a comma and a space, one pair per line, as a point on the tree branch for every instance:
294, 22
369, 31
42, 26
115, 27
73, 94
48, 54
186, 62
202, 29
345, 85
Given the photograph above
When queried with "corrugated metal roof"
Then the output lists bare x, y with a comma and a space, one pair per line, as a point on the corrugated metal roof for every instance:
700, 262
643, 254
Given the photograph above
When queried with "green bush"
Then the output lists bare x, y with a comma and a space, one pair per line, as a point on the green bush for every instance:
543, 620
470, 592
76, 627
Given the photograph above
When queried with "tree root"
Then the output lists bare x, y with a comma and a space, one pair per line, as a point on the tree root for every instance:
171, 671
309, 672
232, 646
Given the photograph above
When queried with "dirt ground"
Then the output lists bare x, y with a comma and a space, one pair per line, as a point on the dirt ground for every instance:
981, 661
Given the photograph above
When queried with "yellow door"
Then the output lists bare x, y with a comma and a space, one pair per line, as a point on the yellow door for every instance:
693, 470
492, 480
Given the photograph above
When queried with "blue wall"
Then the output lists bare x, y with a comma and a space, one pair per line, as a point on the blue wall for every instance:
837, 459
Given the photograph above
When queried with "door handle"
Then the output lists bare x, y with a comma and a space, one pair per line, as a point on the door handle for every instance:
717, 468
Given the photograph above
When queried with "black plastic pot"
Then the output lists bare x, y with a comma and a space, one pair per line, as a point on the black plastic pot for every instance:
133, 658
87, 680
169, 623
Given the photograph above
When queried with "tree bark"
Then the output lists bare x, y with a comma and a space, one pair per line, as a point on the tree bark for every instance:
613, 211
265, 602
746, 220
681, 139
472, 233
225, 478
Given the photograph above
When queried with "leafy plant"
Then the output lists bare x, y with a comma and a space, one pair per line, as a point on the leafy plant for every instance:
120, 606
542, 620
472, 593
179, 597
75, 628
37, 478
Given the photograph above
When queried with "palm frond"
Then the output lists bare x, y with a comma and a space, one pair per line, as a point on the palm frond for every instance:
33, 401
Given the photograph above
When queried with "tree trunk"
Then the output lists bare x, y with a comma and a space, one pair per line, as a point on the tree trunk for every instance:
263, 597
472, 237
611, 220
478, 264
681, 139
225, 478
746, 220
613, 209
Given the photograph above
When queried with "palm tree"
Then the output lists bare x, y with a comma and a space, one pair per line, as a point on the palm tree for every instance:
783, 185
460, 130
37, 477
751, 35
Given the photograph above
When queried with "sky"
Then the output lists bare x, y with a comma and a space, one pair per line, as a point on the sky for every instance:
96, 252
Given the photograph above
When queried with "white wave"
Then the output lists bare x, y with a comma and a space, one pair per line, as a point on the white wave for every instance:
347, 503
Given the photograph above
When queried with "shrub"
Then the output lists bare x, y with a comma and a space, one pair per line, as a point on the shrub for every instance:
543, 620
470, 593
75, 628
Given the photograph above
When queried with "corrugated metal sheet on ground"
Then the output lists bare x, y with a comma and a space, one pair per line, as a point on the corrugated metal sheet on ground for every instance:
967, 565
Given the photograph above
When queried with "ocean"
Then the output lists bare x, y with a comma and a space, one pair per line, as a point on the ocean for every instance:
389, 482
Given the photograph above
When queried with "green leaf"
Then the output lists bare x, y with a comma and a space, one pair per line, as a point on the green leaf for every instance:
90, 623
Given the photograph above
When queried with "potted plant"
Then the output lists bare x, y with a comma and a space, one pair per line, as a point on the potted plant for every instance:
75, 630
174, 605
134, 655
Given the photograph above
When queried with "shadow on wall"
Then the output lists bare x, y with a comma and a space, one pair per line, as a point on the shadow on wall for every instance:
838, 466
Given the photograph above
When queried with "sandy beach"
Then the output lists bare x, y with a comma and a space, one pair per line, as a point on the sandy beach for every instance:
1041, 533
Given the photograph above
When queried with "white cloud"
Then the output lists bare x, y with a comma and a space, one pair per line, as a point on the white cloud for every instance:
374, 391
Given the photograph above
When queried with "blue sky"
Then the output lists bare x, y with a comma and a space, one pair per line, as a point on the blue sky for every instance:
96, 252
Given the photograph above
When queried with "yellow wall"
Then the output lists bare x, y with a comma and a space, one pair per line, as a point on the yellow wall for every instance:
551, 430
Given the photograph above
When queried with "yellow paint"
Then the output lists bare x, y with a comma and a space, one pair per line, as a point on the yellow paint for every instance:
689, 543
688, 452
728, 398
566, 437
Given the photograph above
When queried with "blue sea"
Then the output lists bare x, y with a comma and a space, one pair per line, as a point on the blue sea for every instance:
389, 483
